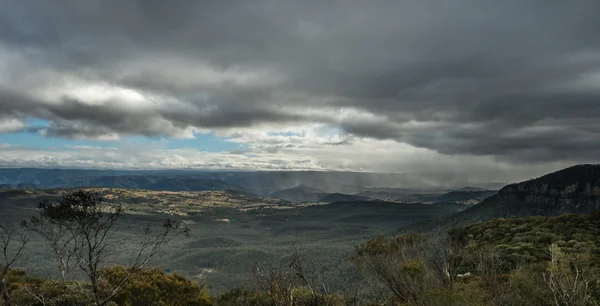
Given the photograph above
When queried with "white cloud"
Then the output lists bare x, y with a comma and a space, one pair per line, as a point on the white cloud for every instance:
293, 152
356, 86
8, 125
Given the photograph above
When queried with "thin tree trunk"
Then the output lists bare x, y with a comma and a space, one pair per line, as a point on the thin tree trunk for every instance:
4, 289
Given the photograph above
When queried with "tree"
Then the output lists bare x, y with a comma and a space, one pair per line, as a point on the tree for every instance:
277, 284
445, 256
569, 282
58, 232
12, 243
293, 284
410, 265
398, 263
79, 229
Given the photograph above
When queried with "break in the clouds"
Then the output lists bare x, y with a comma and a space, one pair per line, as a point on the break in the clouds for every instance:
505, 82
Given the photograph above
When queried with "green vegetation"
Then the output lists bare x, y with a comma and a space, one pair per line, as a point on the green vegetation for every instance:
526, 240
78, 228
313, 255
534, 261
482, 264
155, 287
218, 253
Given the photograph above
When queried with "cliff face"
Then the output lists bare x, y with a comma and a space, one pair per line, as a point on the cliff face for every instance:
575, 189
582, 197
572, 190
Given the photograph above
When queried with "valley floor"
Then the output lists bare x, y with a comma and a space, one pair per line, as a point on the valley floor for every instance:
227, 241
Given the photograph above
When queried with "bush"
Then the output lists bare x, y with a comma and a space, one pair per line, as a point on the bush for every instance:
300, 296
462, 294
29, 290
155, 287
241, 297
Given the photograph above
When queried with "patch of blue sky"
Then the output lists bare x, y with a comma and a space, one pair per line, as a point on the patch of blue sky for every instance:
32, 139
35, 122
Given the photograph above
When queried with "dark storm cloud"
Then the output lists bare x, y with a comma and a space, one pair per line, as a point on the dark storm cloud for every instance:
519, 80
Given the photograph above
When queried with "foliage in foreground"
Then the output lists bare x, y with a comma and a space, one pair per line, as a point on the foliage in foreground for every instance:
527, 261
148, 287
155, 287
78, 228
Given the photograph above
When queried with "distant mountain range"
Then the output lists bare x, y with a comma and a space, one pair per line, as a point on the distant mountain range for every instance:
464, 196
388, 193
300, 193
575, 189
340, 197
291, 186
572, 190
372, 185
18, 186
169, 183
468, 188
303, 193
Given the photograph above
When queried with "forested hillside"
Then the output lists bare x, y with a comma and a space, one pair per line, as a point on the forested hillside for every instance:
520, 261
526, 251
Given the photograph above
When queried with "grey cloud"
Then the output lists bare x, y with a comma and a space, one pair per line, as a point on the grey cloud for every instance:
484, 77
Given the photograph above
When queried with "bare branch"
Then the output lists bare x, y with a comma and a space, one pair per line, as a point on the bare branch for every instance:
80, 227
12, 244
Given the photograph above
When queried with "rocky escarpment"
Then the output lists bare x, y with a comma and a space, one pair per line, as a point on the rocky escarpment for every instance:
572, 190
575, 189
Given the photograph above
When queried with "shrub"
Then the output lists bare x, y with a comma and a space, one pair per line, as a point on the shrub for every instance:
155, 287
30, 290
462, 294
241, 297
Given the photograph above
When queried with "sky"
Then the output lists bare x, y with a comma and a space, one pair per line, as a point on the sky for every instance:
496, 90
